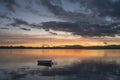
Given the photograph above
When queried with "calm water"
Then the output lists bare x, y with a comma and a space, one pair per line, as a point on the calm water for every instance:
26, 59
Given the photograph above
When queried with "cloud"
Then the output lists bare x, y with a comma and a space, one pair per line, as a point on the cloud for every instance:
5, 28
57, 10
84, 29
87, 19
20, 21
5, 16
17, 22
53, 33
25, 29
62, 8
85, 8
9, 4
106, 7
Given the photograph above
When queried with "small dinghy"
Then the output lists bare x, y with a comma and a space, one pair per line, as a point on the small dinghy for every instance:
48, 63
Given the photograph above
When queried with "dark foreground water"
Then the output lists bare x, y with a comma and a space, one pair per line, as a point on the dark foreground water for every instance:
21, 64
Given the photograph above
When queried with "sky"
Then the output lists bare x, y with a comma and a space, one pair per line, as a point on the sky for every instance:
59, 22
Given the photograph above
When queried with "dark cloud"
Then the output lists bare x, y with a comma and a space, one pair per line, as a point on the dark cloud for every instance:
4, 28
103, 7
20, 21
34, 25
79, 22
60, 12
13, 24
17, 22
57, 10
25, 29
53, 33
9, 4
76, 28
97, 9
5, 16
84, 29
106, 7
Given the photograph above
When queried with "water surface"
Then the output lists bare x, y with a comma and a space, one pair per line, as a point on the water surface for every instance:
23, 62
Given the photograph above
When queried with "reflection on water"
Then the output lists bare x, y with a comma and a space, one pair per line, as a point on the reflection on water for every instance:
29, 57
21, 64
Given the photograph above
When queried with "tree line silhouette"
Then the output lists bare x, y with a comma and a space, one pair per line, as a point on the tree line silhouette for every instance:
62, 47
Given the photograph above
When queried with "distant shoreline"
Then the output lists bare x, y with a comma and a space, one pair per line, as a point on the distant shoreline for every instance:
63, 47
66, 48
